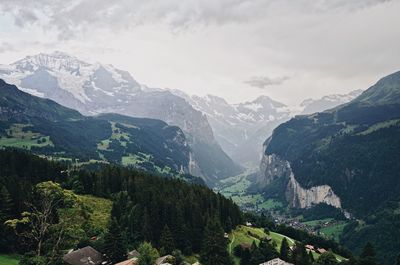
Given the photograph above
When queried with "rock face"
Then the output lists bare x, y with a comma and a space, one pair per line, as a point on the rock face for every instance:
298, 197
273, 167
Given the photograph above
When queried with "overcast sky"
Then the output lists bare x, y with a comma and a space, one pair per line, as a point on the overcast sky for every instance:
238, 49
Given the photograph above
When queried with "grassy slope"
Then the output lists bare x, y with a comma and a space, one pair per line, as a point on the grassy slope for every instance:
236, 188
334, 231
18, 137
9, 260
100, 210
240, 235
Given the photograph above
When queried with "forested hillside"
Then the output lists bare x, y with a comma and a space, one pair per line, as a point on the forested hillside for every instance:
47, 128
146, 208
353, 149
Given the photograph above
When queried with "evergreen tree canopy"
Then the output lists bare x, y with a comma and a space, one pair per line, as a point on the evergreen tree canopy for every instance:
148, 254
327, 258
285, 250
214, 251
367, 256
167, 241
114, 243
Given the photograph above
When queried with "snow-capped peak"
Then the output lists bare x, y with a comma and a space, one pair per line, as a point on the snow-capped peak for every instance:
61, 75
55, 61
326, 102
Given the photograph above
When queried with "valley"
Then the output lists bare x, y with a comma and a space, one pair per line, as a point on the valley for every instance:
127, 177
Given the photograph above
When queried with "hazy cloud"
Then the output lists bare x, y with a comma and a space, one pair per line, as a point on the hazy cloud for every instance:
263, 82
69, 18
6, 47
213, 47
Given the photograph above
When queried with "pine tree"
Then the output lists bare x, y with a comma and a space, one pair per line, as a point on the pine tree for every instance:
167, 241
311, 257
285, 250
368, 250
269, 252
148, 254
245, 258
179, 257
114, 246
5, 214
214, 251
299, 255
326, 258
146, 226
228, 225
5, 204
367, 256
256, 257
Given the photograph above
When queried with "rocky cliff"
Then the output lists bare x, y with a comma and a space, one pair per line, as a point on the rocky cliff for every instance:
299, 197
273, 167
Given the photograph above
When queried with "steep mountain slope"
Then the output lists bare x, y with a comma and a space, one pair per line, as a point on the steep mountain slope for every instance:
347, 157
45, 127
310, 106
348, 148
240, 128
97, 88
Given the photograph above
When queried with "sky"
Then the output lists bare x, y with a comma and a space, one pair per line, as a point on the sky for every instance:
289, 50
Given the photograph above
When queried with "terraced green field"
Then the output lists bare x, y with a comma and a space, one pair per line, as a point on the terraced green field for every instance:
18, 136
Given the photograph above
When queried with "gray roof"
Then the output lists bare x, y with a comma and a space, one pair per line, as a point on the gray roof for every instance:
164, 259
84, 256
133, 254
276, 261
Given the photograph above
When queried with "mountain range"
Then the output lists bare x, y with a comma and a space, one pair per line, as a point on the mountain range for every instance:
346, 157
47, 128
221, 135
241, 128
97, 88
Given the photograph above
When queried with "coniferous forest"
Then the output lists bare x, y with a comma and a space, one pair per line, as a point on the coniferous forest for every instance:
168, 213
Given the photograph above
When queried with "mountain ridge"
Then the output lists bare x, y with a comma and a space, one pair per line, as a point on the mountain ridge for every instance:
98, 88
46, 127
353, 150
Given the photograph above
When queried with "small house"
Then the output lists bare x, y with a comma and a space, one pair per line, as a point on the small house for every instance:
310, 247
133, 254
276, 261
132, 261
168, 259
84, 256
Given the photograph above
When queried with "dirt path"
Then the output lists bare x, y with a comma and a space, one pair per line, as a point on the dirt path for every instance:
230, 244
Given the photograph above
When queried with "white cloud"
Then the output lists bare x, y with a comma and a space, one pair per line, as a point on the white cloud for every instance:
263, 82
